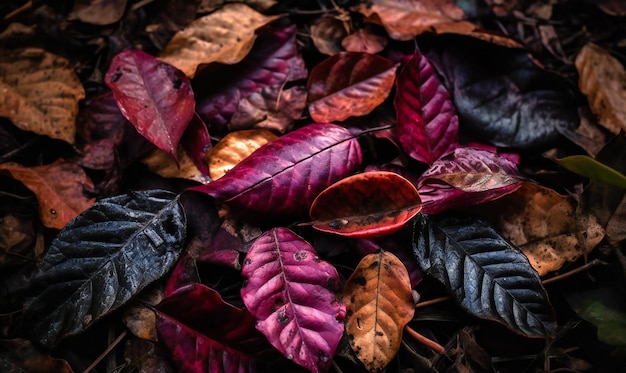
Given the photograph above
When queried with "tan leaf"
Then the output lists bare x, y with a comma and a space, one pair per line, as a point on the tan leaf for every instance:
545, 225
405, 19
378, 305
233, 148
161, 163
225, 36
327, 33
59, 188
39, 92
602, 79
98, 12
365, 41
470, 29
141, 319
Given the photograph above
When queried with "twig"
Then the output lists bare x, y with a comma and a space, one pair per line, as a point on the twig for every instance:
430, 302
19, 10
592, 263
106, 352
10, 154
425, 341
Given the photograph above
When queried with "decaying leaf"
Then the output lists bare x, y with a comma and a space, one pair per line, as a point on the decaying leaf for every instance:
602, 78
146, 356
98, 12
21, 356
370, 204
20, 240
327, 33
139, 316
234, 147
161, 163
225, 36
59, 187
546, 226
365, 41
378, 305
40, 92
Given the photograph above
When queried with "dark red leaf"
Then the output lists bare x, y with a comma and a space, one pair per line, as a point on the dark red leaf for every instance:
349, 84
427, 124
185, 273
370, 204
196, 142
153, 95
283, 177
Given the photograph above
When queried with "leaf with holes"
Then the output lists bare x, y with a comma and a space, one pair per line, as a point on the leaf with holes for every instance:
487, 275
427, 124
378, 305
301, 163
370, 204
102, 259
290, 291
349, 84
153, 95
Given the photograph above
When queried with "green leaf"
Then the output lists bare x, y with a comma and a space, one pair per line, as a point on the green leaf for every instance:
589, 167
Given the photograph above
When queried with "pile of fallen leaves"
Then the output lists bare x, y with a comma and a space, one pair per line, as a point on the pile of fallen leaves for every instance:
323, 186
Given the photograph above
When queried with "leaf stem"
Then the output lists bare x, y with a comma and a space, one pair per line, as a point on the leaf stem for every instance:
19, 10
106, 352
425, 341
565, 275
430, 302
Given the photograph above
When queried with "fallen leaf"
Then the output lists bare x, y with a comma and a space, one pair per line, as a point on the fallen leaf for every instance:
365, 41
591, 168
349, 84
379, 304
612, 7
161, 163
98, 12
207, 6
146, 357
196, 142
20, 240
602, 78
40, 92
59, 187
20, 355
233, 148
327, 33
139, 316
366, 205
224, 36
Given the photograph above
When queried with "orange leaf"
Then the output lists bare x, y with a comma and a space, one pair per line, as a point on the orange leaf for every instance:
161, 163
378, 306
58, 187
370, 204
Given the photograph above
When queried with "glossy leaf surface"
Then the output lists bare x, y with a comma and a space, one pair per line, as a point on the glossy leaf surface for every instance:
283, 177
427, 125
153, 95
378, 305
486, 274
349, 84
369, 204
290, 291
103, 258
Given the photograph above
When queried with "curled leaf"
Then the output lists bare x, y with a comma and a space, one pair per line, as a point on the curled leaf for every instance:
369, 204
327, 33
290, 291
378, 305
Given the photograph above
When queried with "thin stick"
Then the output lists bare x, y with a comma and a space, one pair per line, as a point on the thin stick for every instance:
425, 341
592, 263
430, 302
106, 352
19, 10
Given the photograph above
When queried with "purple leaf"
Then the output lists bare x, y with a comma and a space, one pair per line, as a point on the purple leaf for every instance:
272, 62
153, 95
196, 142
427, 124
465, 178
291, 293
283, 177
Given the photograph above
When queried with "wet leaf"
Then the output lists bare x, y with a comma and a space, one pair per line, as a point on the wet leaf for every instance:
233, 148
508, 102
378, 305
405, 19
589, 167
252, 92
98, 12
224, 36
290, 291
60, 189
602, 78
20, 355
370, 204
40, 92
327, 33
301, 163
487, 275
154, 96
364, 40
427, 125
103, 258
349, 84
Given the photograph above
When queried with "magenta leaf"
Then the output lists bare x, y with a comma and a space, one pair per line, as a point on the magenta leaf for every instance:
153, 95
427, 125
465, 178
290, 291
196, 141
283, 177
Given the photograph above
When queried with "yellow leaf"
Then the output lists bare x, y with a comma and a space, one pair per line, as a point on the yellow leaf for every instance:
378, 305
225, 36
233, 148
161, 163
39, 92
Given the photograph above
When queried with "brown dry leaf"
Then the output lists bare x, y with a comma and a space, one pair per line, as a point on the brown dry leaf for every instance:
470, 29
40, 92
405, 19
59, 188
98, 12
224, 36
207, 6
379, 304
545, 225
602, 79
233, 148
26, 357
365, 41
139, 318
19, 241
162, 164
327, 33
